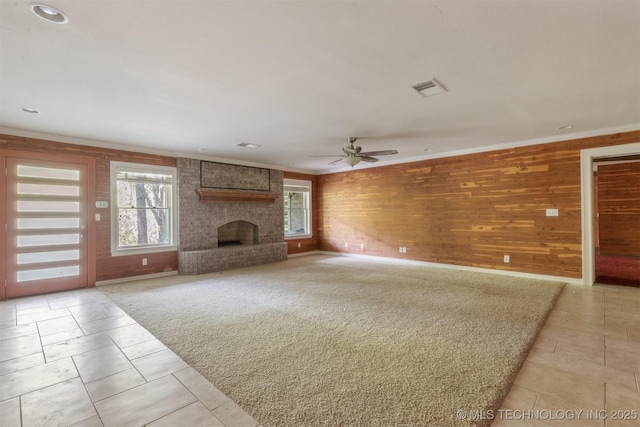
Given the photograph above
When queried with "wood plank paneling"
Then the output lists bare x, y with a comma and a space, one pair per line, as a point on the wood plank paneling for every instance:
118, 267
107, 267
307, 244
619, 208
466, 210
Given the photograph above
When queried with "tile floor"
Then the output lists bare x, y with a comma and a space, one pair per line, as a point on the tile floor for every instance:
75, 359
584, 369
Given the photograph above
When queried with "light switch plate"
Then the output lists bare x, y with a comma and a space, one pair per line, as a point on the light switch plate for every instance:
552, 212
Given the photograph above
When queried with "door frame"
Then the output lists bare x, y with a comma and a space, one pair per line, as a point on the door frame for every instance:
587, 158
91, 208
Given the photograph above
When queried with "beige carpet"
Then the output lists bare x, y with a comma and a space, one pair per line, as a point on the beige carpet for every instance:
340, 341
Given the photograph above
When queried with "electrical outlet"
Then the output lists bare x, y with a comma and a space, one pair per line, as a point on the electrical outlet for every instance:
346, 244
507, 259
552, 212
299, 244
361, 245
144, 261
400, 249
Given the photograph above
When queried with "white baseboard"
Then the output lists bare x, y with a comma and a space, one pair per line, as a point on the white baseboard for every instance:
569, 280
305, 254
134, 278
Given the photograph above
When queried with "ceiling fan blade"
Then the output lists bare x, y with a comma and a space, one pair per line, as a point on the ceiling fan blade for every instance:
368, 159
379, 153
325, 155
336, 161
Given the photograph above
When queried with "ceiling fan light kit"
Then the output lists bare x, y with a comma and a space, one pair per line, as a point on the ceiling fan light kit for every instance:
352, 160
353, 155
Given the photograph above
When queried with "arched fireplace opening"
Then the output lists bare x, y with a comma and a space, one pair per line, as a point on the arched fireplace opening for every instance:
237, 233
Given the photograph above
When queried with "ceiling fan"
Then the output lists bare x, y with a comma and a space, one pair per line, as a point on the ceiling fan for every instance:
353, 154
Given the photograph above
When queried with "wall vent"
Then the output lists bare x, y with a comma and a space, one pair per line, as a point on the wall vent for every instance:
429, 88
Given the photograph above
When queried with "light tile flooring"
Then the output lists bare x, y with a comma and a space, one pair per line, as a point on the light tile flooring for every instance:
76, 359
584, 369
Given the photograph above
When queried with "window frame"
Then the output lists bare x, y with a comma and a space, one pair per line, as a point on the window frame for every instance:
300, 186
172, 244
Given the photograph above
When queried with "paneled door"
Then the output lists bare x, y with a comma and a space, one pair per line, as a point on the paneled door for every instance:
46, 226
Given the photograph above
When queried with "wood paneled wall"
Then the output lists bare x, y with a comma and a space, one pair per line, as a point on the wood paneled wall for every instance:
311, 243
467, 210
619, 208
107, 266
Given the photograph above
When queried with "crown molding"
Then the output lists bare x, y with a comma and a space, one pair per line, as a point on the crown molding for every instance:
137, 149
452, 153
495, 147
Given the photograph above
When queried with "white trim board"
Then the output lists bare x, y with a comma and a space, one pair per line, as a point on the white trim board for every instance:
463, 151
134, 278
587, 157
299, 254
569, 280
494, 147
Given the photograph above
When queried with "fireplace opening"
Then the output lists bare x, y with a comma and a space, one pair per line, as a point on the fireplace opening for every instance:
237, 233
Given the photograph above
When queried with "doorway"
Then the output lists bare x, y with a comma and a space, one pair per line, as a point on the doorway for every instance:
617, 220
587, 159
49, 242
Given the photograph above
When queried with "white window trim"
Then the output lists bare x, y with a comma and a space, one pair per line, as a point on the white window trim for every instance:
140, 167
300, 186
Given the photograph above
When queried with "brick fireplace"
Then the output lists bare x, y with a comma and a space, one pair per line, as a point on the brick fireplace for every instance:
257, 226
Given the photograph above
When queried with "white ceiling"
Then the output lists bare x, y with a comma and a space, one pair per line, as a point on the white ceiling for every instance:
299, 77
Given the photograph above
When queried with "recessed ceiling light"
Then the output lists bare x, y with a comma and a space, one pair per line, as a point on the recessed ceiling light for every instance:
248, 145
48, 13
565, 127
31, 110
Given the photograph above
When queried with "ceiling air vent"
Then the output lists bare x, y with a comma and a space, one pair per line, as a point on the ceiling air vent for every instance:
430, 87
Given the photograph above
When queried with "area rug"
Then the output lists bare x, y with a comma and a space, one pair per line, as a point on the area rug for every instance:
342, 341
617, 270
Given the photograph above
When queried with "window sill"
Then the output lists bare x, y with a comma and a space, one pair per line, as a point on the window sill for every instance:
297, 236
142, 251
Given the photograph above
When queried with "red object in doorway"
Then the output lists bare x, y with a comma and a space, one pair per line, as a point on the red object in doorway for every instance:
618, 270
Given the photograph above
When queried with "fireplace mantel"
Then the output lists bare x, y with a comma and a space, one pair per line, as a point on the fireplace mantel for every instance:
213, 195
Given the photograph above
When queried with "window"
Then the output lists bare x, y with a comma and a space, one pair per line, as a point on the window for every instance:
297, 208
142, 205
